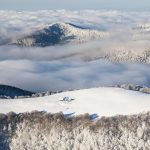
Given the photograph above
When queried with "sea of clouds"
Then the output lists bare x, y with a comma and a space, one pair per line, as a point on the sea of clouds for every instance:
58, 75
14, 23
73, 66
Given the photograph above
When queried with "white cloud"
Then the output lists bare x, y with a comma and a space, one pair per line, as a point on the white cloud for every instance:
58, 75
24, 22
71, 66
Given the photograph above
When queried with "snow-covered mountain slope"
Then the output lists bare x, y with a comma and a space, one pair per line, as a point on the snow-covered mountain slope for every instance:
121, 52
9, 91
60, 33
142, 27
101, 101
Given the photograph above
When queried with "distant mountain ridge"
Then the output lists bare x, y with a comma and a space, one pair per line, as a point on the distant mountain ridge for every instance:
60, 33
10, 91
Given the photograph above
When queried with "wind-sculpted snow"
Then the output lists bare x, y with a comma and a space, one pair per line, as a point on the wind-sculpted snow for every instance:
40, 130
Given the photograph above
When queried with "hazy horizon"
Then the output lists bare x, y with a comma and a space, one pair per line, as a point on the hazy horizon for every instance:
31, 5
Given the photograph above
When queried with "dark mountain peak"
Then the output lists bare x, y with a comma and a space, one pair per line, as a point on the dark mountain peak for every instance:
51, 35
10, 91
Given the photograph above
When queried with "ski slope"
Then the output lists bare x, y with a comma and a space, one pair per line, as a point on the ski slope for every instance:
104, 101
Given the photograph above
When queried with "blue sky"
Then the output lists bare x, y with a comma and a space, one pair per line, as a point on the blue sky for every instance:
132, 5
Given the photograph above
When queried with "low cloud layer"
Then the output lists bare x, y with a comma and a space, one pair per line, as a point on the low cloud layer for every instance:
76, 66
14, 24
58, 75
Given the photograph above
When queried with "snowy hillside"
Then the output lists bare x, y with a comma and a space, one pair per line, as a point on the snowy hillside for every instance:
60, 33
42, 130
101, 101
